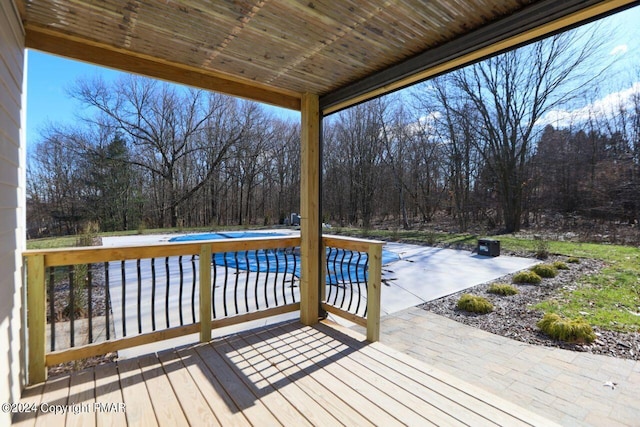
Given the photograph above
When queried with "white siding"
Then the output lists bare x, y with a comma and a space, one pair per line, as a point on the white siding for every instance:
12, 205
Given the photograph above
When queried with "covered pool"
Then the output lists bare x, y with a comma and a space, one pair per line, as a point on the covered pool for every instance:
341, 265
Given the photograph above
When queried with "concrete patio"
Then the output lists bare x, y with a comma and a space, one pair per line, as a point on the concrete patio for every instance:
569, 388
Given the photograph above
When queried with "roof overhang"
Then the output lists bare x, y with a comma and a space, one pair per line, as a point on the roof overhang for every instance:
346, 52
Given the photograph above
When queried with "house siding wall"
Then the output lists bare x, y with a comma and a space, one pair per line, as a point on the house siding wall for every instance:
12, 205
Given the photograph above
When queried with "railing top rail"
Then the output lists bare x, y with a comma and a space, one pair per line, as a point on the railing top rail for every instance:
96, 254
352, 243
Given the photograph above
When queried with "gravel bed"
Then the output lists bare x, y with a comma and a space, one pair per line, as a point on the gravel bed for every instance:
98, 308
513, 318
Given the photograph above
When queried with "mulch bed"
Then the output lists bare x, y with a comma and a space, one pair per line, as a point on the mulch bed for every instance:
514, 318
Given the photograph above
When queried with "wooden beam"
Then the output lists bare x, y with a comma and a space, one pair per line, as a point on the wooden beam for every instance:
95, 349
36, 319
310, 210
58, 43
205, 293
374, 289
535, 22
104, 347
354, 318
99, 254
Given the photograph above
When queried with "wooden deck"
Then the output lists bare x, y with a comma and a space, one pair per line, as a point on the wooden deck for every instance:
287, 374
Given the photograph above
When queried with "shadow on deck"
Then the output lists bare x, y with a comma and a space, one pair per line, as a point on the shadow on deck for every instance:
284, 374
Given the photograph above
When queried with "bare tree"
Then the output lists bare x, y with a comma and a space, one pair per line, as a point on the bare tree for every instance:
168, 127
511, 92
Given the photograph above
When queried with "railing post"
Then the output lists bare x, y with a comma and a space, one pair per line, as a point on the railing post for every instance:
36, 318
205, 293
373, 291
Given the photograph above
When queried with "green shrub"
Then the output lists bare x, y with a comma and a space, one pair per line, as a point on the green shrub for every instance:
569, 330
502, 289
573, 260
559, 265
527, 277
545, 270
474, 304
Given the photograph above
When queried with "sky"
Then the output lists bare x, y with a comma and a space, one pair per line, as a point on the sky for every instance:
49, 77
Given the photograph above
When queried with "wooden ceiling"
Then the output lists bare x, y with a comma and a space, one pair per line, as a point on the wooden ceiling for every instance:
273, 51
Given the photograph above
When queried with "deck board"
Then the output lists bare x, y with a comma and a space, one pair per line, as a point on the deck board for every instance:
226, 411
166, 405
192, 402
135, 394
263, 367
284, 374
246, 399
324, 391
109, 392
376, 403
82, 389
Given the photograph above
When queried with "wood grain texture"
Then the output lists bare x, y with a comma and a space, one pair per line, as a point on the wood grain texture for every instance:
274, 51
281, 374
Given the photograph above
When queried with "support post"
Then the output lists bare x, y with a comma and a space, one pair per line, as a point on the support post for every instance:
310, 209
36, 318
373, 291
205, 293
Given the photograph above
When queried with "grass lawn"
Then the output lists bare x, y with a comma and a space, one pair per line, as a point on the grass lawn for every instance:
609, 299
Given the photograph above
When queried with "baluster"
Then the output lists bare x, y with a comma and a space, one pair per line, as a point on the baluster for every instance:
341, 277
181, 286
329, 255
246, 282
52, 307
358, 283
366, 284
344, 295
124, 313
153, 294
275, 277
90, 300
107, 300
284, 276
193, 289
293, 274
224, 289
166, 294
214, 286
266, 277
139, 299
256, 254
72, 309
235, 287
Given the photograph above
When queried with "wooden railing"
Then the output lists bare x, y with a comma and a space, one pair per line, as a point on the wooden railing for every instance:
353, 277
119, 297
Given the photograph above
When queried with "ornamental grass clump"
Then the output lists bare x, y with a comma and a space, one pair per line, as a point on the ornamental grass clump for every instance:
559, 265
568, 330
502, 289
474, 304
545, 270
527, 277
573, 260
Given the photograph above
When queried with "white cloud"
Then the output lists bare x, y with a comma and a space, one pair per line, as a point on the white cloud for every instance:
621, 49
603, 107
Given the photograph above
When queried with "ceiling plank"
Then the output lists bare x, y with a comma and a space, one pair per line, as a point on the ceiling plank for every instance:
538, 21
54, 42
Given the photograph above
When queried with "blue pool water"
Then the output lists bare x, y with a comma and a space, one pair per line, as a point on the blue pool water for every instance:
341, 265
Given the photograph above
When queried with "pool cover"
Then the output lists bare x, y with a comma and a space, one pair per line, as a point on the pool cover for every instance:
342, 265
